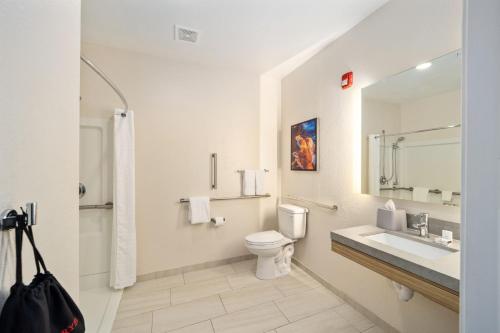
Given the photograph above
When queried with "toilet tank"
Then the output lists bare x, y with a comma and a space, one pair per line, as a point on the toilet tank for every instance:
292, 221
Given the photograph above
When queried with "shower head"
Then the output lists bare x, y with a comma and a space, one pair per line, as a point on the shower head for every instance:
395, 145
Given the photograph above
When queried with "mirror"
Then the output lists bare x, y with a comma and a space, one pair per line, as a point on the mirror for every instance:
411, 133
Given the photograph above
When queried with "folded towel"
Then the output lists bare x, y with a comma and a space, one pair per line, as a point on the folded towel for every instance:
446, 196
248, 182
259, 182
420, 194
199, 210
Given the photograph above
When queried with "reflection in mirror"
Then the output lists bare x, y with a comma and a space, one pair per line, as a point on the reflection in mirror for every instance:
411, 133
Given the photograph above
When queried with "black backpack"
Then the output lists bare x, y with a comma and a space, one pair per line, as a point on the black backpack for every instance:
43, 306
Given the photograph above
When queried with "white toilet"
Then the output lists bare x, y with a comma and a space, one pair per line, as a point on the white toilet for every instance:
275, 249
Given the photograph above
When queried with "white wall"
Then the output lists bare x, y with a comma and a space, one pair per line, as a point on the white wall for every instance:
39, 89
480, 283
183, 112
432, 111
398, 36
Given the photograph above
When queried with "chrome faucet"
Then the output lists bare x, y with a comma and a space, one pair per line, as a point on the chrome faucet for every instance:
423, 225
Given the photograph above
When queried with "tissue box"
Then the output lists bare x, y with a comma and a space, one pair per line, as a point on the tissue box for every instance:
391, 219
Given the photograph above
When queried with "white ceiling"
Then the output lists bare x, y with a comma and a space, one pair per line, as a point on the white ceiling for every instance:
254, 35
444, 75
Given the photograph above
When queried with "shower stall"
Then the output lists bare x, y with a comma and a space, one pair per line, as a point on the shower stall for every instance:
103, 142
98, 301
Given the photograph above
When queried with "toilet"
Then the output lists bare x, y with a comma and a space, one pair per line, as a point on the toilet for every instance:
274, 249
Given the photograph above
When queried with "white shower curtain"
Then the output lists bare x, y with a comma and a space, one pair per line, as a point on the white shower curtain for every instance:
123, 240
374, 164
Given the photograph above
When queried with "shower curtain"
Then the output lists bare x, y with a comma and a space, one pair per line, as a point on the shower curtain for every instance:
373, 164
7, 265
123, 240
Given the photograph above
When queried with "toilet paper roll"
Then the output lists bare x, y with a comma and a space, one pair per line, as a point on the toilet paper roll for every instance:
218, 221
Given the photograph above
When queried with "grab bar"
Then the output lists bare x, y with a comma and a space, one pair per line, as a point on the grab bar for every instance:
434, 191
107, 205
317, 203
214, 171
185, 200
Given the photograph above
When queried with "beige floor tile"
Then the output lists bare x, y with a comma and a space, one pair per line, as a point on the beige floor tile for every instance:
355, 318
208, 273
290, 285
245, 265
134, 329
259, 318
134, 304
249, 296
374, 329
179, 316
324, 322
304, 304
203, 327
244, 279
192, 291
155, 284
140, 322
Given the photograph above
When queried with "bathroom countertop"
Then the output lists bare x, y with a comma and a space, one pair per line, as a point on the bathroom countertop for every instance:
444, 271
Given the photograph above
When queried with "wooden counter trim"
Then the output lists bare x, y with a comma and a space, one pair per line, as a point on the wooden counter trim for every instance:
437, 293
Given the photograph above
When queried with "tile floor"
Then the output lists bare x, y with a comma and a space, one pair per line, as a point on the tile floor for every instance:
229, 298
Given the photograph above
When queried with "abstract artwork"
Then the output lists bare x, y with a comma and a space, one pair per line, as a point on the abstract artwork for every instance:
304, 146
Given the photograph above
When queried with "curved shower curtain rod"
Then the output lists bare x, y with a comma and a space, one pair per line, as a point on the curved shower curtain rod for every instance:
103, 76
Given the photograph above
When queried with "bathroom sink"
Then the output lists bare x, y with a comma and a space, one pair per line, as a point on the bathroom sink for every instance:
415, 247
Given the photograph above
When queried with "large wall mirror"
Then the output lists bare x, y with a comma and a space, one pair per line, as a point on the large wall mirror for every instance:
411, 133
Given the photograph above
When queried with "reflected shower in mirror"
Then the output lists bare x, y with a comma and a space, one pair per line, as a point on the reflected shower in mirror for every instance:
411, 133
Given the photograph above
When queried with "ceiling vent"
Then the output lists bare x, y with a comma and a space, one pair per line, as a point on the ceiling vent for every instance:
186, 34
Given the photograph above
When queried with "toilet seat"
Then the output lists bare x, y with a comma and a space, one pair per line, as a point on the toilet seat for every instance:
266, 239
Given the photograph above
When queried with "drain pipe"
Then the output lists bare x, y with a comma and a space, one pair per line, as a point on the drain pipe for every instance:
404, 293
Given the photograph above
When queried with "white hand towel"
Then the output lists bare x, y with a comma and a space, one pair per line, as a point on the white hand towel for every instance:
420, 194
199, 210
259, 182
7, 266
446, 196
248, 182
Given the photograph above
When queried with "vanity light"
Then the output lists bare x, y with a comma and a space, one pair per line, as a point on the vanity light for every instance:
423, 66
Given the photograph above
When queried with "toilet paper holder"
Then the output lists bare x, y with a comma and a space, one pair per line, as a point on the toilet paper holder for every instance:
218, 221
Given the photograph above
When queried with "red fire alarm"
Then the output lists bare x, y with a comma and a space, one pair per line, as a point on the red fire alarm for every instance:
347, 79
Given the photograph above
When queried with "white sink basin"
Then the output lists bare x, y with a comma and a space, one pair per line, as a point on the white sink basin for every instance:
411, 246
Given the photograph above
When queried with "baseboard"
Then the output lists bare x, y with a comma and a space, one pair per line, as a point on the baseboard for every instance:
360, 308
195, 267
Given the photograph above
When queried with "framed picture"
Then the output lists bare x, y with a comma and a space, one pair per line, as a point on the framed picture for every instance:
304, 146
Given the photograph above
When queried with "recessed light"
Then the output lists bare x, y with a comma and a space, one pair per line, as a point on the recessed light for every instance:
423, 66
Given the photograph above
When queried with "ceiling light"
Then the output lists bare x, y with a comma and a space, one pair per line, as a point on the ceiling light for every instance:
423, 66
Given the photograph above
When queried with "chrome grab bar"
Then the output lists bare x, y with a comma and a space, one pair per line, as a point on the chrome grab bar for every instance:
434, 191
330, 206
184, 200
214, 171
107, 205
